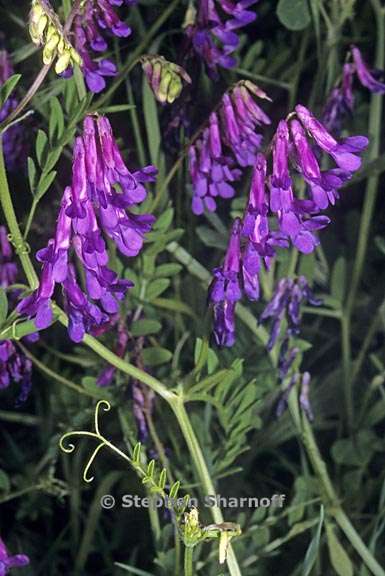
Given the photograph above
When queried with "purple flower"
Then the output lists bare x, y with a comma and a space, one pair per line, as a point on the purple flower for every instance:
365, 75
14, 143
229, 143
99, 202
304, 403
212, 34
15, 367
225, 289
7, 561
340, 102
96, 18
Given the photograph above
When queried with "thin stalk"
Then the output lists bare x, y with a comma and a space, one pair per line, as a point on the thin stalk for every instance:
188, 561
57, 377
375, 131
328, 494
17, 239
27, 98
202, 471
19, 418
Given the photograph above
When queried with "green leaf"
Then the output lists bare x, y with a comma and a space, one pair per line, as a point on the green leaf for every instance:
52, 158
145, 327
164, 221
89, 383
174, 490
294, 14
8, 87
338, 279
41, 143
45, 182
338, 557
163, 478
166, 270
312, 551
156, 356
156, 288
56, 119
31, 174
150, 468
136, 452
211, 238
5, 484
3, 306
173, 305
152, 122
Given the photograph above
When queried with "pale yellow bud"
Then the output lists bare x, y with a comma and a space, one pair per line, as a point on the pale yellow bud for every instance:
63, 62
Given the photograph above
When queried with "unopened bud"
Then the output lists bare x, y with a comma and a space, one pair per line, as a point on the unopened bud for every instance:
165, 78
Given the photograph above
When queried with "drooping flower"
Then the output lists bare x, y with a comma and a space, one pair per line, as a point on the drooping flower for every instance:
46, 30
304, 402
165, 78
98, 203
213, 33
341, 99
7, 562
95, 19
230, 142
225, 289
14, 143
366, 76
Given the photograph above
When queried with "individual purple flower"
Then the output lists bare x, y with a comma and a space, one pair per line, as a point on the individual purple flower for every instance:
304, 403
340, 102
95, 19
15, 367
99, 202
8, 267
7, 562
225, 289
213, 33
366, 76
14, 143
230, 142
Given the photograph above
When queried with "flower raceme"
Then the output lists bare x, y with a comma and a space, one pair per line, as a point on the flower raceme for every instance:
99, 202
46, 30
341, 99
275, 216
95, 19
213, 31
229, 143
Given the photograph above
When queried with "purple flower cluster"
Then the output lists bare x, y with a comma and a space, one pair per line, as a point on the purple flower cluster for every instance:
213, 34
284, 312
341, 99
229, 142
94, 20
7, 561
99, 201
14, 145
274, 216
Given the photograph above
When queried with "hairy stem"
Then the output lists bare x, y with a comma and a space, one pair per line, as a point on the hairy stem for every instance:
202, 471
188, 561
328, 494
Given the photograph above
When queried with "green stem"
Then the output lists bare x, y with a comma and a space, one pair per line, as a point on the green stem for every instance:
202, 471
188, 561
328, 494
16, 236
375, 131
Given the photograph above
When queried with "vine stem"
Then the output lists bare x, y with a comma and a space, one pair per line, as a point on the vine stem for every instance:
188, 561
375, 131
329, 495
179, 409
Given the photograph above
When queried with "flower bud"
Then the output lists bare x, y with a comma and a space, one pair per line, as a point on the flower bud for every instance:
45, 29
165, 78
